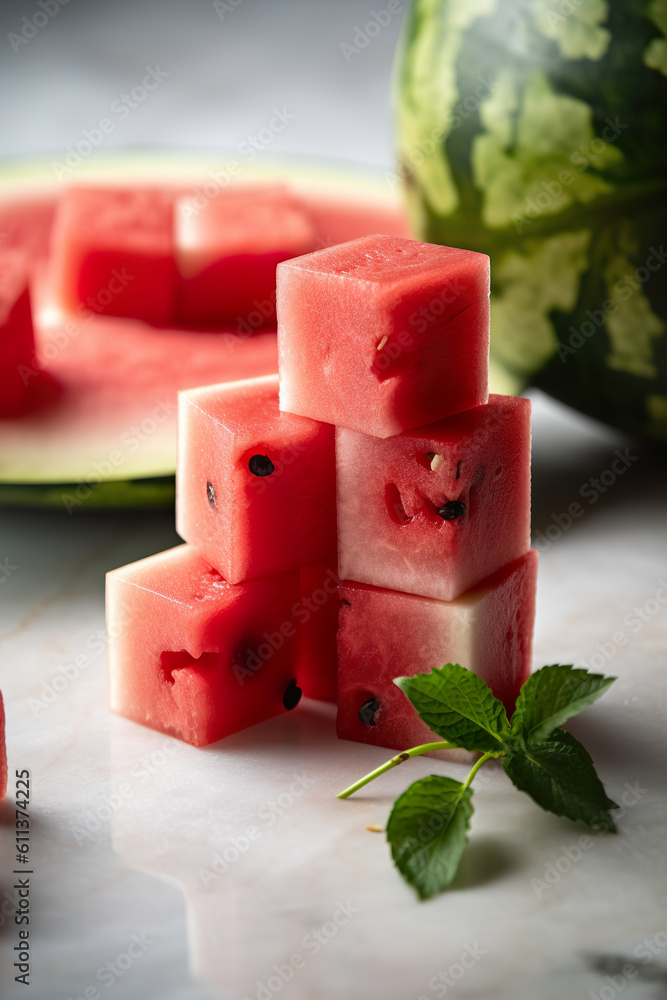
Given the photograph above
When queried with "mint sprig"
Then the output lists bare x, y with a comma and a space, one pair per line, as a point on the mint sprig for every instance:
427, 829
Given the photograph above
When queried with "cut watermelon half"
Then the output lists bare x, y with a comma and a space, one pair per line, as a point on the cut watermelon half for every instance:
114, 423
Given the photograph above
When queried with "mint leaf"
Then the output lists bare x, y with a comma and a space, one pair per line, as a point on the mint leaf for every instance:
559, 774
459, 706
552, 695
428, 831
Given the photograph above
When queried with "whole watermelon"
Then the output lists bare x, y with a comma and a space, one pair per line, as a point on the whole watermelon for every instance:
535, 131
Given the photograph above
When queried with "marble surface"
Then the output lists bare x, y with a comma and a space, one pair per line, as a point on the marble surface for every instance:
165, 871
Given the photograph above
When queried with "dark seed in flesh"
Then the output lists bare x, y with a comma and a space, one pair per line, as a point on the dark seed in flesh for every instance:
261, 465
367, 711
292, 696
452, 510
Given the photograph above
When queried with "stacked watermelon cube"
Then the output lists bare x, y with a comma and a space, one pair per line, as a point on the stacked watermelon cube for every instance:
362, 516
388, 339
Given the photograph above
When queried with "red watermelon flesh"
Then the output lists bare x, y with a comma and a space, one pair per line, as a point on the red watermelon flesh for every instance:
255, 488
17, 340
3, 751
318, 617
25, 223
117, 421
435, 510
113, 252
384, 634
382, 334
193, 656
227, 249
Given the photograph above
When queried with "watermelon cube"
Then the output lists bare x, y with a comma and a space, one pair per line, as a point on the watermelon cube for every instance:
435, 510
3, 751
383, 334
318, 616
195, 657
17, 340
383, 634
113, 252
227, 250
255, 488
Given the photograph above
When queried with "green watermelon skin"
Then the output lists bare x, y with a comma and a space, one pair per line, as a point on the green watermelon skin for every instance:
534, 132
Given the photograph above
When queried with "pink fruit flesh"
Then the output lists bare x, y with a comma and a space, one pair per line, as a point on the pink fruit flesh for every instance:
193, 656
384, 634
244, 522
17, 341
113, 252
435, 510
227, 251
318, 617
383, 334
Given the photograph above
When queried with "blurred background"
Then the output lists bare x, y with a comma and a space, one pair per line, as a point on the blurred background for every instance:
227, 68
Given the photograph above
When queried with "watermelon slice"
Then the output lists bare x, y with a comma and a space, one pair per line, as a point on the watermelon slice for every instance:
3, 751
60, 455
383, 334
384, 634
113, 253
195, 657
17, 341
255, 488
435, 510
318, 617
227, 249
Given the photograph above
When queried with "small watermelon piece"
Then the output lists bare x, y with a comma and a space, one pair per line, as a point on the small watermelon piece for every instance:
382, 334
227, 249
17, 340
318, 615
384, 634
113, 252
255, 488
195, 657
3, 751
435, 510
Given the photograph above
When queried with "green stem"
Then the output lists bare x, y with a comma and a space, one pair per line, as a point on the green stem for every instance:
398, 759
475, 768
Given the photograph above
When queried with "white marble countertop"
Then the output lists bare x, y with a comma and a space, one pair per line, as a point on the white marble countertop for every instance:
128, 824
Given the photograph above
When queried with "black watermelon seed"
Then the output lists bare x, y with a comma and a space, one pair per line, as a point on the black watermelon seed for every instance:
367, 711
210, 493
261, 465
292, 696
451, 510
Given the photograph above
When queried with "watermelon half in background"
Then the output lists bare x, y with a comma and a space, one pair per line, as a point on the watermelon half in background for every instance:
107, 438
534, 131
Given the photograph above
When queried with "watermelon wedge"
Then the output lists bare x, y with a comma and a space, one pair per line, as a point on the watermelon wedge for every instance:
79, 449
384, 634
195, 657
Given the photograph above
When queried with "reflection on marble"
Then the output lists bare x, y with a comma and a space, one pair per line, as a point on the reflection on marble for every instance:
234, 871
